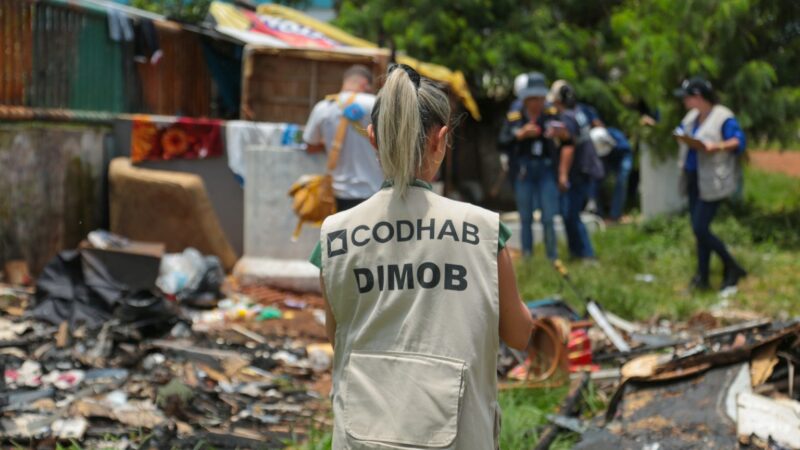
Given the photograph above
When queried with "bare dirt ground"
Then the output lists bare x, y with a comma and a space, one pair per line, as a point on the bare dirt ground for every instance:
787, 162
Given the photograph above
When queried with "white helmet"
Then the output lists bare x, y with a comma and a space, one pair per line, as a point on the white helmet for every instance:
520, 82
602, 140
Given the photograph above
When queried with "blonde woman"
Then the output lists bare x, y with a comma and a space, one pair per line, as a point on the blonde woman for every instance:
419, 290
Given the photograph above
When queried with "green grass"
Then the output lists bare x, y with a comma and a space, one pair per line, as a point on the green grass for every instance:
525, 415
762, 231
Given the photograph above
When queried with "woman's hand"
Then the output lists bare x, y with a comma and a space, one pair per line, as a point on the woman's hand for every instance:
712, 147
528, 131
563, 182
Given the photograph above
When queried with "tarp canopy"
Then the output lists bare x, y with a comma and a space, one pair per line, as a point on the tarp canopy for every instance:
284, 27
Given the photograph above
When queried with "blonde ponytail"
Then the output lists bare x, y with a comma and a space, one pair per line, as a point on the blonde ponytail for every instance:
399, 129
404, 112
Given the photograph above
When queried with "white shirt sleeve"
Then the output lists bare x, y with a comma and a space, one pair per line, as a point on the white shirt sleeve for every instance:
367, 101
313, 131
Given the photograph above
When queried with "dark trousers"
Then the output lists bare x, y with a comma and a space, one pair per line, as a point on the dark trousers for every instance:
343, 204
620, 163
572, 202
536, 188
702, 213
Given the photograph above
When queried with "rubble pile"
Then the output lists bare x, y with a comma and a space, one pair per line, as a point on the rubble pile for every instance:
119, 346
140, 368
723, 379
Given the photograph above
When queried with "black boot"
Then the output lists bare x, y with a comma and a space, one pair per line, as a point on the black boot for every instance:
732, 274
699, 283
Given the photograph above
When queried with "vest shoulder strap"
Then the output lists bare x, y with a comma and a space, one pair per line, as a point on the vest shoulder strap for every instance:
338, 139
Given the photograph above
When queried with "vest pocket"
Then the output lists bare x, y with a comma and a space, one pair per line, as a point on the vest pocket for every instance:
403, 398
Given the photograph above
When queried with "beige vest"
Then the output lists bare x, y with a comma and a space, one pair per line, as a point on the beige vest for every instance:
413, 286
718, 173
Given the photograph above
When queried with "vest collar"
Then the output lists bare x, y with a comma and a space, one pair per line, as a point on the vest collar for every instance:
416, 183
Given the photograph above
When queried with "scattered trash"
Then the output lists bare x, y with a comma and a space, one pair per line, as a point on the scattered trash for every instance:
89, 357
92, 358
319, 316
63, 380
269, 313
320, 356
645, 277
12, 330
25, 426
294, 303
152, 361
191, 277
17, 273
73, 428
104, 240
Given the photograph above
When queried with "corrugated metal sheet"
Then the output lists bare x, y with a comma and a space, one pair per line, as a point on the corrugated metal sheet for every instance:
98, 83
16, 41
54, 34
58, 55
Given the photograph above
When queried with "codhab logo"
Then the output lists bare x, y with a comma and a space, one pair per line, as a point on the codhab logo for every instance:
337, 243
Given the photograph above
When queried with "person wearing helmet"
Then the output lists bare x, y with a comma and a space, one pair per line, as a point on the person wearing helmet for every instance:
616, 153
508, 155
534, 153
711, 143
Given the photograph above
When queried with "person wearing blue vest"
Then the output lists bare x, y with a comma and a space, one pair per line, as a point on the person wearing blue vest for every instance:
533, 155
711, 144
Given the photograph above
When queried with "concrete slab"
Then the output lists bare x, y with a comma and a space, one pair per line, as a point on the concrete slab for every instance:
659, 184
270, 254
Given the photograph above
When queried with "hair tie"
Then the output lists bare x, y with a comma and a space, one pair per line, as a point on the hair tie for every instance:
412, 74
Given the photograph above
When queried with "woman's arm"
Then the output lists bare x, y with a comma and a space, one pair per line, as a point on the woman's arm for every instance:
565, 163
727, 145
733, 139
330, 321
515, 319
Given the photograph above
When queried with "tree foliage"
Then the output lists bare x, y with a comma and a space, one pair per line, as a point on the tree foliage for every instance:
194, 11
618, 53
191, 11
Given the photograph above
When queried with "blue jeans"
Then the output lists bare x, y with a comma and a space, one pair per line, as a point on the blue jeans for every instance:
536, 186
620, 163
702, 213
572, 202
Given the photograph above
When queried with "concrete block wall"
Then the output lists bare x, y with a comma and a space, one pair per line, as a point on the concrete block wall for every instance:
52, 188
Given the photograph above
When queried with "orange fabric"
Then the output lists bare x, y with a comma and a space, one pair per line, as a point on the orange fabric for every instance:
184, 138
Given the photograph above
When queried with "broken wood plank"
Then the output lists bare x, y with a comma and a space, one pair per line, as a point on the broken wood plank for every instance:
600, 318
249, 334
736, 328
763, 362
730, 356
222, 360
62, 335
622, 324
